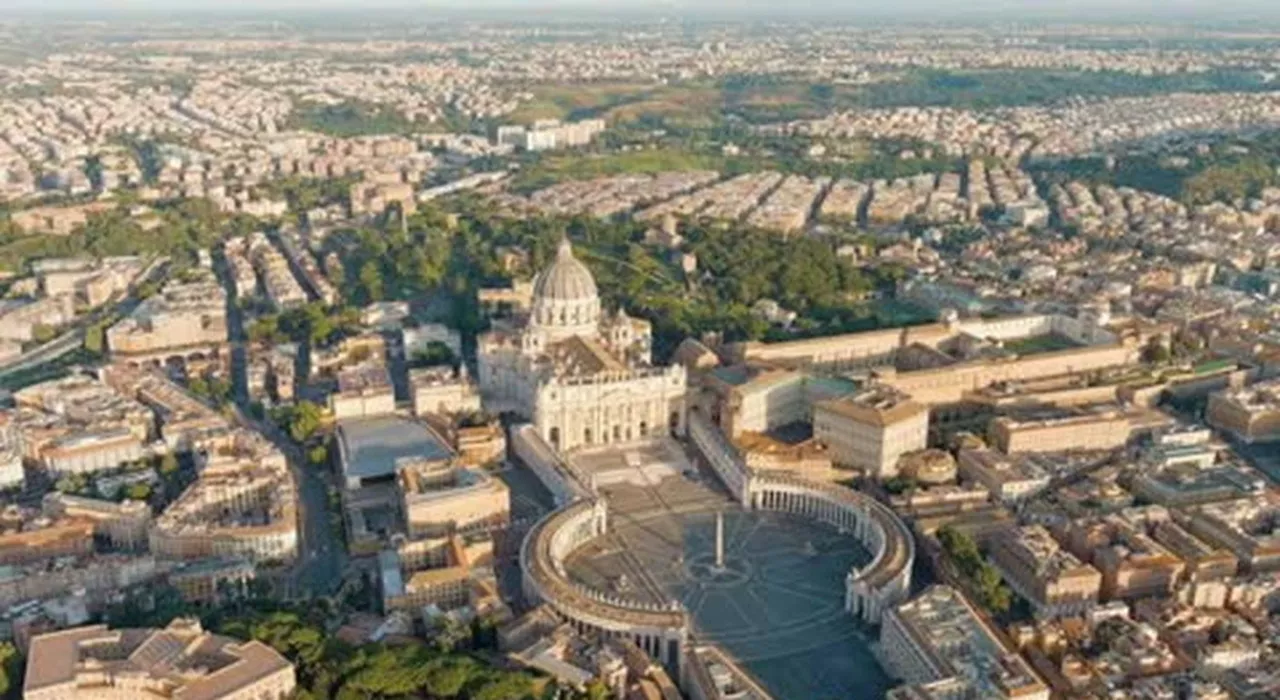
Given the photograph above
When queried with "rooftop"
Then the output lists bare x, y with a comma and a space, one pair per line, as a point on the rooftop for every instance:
371, 447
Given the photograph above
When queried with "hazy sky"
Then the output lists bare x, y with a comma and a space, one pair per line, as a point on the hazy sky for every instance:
1083, 10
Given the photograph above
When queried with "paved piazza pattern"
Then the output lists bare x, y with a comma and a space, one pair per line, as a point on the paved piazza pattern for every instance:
777, 605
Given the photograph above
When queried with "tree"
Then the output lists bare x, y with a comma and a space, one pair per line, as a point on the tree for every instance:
1156, 353
10, 670
961, 548
510, 686
94, 338
447, 676
72, 484
450, 634
371, 284
168, 464
138, 492
303, 420
265, 330
147, 290
43, 333
597, 690
434, 354
318, 456
199, 386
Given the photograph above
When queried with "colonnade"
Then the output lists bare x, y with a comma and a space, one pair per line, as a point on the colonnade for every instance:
871, 589
813, 505
660, 630
663, 645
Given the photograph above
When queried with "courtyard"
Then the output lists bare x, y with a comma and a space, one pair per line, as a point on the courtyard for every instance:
776, 604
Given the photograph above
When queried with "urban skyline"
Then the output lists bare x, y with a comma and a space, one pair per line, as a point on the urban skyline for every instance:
567, 353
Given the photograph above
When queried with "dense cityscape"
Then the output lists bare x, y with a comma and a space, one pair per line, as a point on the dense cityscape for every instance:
565, 357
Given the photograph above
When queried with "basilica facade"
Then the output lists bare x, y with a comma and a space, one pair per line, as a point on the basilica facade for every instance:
580, 375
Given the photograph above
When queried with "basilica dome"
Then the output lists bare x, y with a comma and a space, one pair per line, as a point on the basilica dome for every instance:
567, 279
565, 299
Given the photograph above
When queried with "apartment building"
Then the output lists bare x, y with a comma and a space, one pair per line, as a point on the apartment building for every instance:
446, 572
124, 524
27, 537
243, 505
1053, 579
79, 424
1132, 562
1248, 527
364, 391
1008, 478
1251, 414
21, 318
186, 320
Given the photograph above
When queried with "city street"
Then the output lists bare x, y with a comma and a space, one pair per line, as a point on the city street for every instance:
321, 552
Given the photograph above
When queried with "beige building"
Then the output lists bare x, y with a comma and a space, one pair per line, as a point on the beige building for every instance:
79, 424
941, 646
580, 376
505, 301
1251, 414
443, 391
12, 472
350, 352
20, 319
60, 221
1060, 429
1008, 478
123, 524
211, 580
87, 280
243, 505
25, 539
1248, 527
186, 320
99, 577
373, 197
1053, 579
364, 391
871, 430
181, 661
439, 498
446, 572
757, 397
1202, 560
1133, 564
940, 363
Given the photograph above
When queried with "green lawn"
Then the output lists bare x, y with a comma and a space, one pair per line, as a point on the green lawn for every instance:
1036, 344
558, 168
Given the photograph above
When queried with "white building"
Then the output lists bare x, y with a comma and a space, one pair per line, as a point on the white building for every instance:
580, 376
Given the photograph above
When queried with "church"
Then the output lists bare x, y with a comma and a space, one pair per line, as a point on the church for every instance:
580, 375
